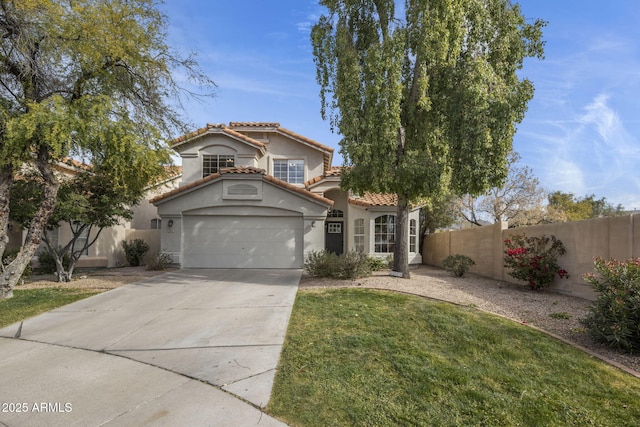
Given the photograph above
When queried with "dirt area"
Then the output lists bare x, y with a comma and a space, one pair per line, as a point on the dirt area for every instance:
99, 280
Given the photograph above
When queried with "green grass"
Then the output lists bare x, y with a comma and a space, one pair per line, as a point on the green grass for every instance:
30, 302
356, 357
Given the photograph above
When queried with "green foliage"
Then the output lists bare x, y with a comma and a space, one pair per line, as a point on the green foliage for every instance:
349, 265
457, 264
562, 315
614, 317
89, 80
160, 262
377, 264
134, 251
353, 264
534, 259
9, 256
47, 261
573, 208
427, 101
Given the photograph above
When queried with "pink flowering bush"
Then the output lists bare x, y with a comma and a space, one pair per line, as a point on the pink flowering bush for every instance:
534, 259
614, 317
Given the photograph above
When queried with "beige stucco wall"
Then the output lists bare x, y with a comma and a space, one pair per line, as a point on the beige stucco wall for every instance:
144, 211
278, 147
281, 147
209, 200
614, 237
191, 153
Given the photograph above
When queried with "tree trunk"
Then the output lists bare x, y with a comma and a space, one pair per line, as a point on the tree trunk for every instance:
6, 180
401, 249
13, 272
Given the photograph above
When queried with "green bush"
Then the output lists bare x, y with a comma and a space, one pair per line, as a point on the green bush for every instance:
9, 256
614, 317
48, 262
534, 259
353, 264
349, 265
377, 264
322, 264
134, 251
457, 264
160, 262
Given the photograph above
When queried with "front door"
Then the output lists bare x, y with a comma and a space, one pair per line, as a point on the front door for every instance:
334, 237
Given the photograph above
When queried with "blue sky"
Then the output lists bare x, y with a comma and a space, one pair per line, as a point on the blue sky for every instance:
580, 135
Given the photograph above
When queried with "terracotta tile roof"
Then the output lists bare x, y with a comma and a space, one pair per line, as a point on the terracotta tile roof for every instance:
367, 200
374, 199
216, 128
243, 170
275, 126
334, 171
305, 139
255, 124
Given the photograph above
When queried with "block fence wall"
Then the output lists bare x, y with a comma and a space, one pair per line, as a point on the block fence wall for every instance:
612, 237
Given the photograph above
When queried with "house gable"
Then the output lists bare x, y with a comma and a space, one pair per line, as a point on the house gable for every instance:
279, 151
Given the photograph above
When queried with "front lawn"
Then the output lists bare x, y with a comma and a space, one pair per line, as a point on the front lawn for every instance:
30, 302
363, 357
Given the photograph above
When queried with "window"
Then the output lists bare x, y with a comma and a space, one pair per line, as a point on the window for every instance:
334, 228
212, 163
156, 224
81, 240
291, 171
335, 213
413, 236
384, 234
358, 235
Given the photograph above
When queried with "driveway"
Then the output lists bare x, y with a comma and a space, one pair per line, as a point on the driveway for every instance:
191, 347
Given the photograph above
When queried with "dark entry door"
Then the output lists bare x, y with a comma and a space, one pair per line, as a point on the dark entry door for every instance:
334, 237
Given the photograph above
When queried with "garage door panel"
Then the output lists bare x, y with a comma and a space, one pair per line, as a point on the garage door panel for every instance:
242, 242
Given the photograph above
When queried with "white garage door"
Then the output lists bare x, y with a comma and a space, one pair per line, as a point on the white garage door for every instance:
242, 242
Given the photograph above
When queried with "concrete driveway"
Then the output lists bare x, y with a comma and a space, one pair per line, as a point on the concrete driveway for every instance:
192, 347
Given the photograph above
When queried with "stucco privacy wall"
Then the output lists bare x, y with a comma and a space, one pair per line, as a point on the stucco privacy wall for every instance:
613, 237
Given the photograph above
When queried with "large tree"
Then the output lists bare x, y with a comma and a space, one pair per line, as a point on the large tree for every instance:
84, 78
425, 98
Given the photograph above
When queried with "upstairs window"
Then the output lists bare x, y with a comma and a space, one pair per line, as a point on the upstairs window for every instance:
385, 233
291, 171
212, 163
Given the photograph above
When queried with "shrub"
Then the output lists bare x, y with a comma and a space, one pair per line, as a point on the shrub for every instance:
376, 264
322, 264
352, 265
615, 315
349, 265
48, 262
9, 256
160, 262
134, 251
534, 259
457, 264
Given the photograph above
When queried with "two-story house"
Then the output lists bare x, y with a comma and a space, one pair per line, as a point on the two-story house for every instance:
256, 195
